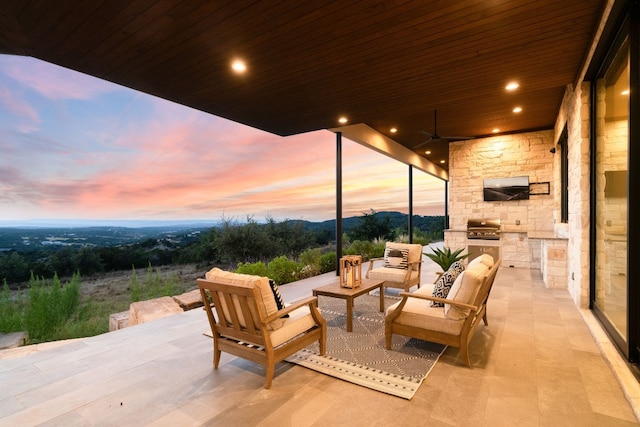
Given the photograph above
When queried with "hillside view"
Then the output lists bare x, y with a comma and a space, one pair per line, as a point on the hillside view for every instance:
92, 250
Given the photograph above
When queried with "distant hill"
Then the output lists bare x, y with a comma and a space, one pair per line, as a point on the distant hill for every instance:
75, 234
426, 223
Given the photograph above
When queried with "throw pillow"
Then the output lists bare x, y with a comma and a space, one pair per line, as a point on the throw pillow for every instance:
277, 296
444, 283
396, 258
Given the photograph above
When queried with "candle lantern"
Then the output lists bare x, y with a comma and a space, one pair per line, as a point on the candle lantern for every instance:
350, 271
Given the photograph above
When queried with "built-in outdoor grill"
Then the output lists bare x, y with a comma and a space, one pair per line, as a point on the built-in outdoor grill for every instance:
481, 238
486, 229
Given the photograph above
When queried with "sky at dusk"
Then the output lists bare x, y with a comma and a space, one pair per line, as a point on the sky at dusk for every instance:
76, 147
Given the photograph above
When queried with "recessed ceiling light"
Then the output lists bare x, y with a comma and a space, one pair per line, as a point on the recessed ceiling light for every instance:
625, 92
517, 110
427, 152
343, 120
512, 86
239, 66
394, 130
442, 161
495, 130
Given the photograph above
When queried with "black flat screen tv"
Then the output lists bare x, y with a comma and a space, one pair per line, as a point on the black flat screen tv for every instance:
503, 189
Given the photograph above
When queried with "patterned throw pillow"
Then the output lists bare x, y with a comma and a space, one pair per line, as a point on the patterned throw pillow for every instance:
277, 296
396, 258
444, 283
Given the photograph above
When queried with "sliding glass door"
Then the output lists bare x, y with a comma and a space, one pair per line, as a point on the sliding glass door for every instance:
611, 193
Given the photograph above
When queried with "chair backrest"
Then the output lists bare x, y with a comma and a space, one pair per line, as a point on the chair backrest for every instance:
487, 284
241, 302
237, 311
414, 251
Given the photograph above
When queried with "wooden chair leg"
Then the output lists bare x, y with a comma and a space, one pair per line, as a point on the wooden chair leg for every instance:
484, 319
216, 358
271, 368
387, 337
216, 354
464, 354
323, 342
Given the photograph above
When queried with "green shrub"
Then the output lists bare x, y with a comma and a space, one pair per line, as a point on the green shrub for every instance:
367, 250
49, 306
256, 268
11, 309
283, 270
328, 262
310, 259
445, 257
311, 256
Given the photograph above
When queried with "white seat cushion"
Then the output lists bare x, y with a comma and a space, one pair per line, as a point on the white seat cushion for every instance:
418, 313
299, 321
391, 274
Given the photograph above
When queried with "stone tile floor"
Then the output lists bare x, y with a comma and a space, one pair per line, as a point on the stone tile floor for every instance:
540, 362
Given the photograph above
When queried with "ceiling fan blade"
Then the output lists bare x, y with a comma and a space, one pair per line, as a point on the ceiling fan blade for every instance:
423, 143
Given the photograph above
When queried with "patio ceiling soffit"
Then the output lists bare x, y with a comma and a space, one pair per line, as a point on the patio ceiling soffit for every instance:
370, 138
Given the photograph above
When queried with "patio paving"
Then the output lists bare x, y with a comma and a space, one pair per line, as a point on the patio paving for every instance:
537, 363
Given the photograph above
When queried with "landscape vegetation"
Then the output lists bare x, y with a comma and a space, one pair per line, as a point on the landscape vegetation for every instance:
64, 283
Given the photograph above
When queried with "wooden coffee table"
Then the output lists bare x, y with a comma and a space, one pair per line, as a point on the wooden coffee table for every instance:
335, 291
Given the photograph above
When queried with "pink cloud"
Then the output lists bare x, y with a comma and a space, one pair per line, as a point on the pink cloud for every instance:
182, 163
52, 81
20, 109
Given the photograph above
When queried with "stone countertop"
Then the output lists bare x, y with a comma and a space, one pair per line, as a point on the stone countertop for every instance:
513, 230
542, 235
545, 235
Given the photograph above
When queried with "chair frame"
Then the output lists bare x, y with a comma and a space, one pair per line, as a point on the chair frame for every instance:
478, 310
253, 341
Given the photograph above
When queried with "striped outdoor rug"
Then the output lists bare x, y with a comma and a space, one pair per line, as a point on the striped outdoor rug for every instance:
360, 356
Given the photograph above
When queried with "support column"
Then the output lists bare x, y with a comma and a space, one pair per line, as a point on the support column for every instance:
338, 200
410, 204
446, 205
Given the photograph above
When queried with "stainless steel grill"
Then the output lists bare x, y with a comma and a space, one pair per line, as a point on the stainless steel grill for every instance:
487, 229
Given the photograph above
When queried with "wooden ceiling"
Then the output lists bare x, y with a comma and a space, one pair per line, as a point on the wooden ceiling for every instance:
383, 63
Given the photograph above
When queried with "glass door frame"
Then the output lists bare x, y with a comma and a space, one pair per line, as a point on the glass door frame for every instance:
628, 25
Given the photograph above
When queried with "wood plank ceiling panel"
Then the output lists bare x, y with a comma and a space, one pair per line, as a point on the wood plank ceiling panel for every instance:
379, 62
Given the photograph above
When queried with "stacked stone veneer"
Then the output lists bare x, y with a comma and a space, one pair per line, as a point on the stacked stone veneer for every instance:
527, 154
575, 115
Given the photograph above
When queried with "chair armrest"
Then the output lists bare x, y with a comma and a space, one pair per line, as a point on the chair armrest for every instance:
371, 261
442, 300
311, 301
410, 265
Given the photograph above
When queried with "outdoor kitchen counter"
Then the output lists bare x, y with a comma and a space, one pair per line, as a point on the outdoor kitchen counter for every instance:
545, 235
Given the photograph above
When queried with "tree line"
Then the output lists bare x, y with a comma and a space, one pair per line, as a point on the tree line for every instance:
226, 246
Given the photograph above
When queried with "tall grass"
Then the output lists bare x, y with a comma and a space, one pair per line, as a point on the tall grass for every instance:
153, 286
50, 305
49, 310
11, 310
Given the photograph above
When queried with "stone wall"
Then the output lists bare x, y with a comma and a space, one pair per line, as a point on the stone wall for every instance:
576, 108
471, 162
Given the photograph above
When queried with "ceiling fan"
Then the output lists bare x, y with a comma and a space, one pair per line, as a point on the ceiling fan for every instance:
435, 137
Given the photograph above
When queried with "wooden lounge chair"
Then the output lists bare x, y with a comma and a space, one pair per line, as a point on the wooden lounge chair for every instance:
249, 324
403, 276
453, 324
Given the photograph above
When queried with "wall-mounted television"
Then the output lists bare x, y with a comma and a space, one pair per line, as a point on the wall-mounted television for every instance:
502, 189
